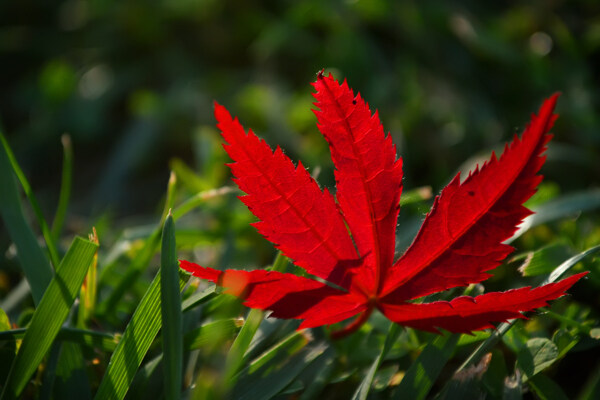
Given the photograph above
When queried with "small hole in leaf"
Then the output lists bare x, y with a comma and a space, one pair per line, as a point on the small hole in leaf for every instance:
471, 193
354, 101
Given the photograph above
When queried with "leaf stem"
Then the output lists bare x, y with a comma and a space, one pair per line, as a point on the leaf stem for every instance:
353, 326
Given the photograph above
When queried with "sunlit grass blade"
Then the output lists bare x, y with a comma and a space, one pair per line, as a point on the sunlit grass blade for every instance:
200, 198
33, 261
49, 315
133, 346
65, 187
54, 258
365, 386
416, 195
568, 264
487, 345
188, 177
87, 296
424, 371
172, 336
542, 261
198, 298
285, 348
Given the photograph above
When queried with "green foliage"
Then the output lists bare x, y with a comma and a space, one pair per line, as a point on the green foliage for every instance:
49, 315
213, 353
133, 87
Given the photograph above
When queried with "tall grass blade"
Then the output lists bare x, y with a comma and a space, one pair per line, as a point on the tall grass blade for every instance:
33, 261
172, 336
54, 258
65, 188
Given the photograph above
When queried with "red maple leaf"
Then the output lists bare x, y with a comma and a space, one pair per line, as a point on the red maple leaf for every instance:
347, 242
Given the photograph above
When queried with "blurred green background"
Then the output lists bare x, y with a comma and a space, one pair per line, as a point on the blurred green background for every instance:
133, 83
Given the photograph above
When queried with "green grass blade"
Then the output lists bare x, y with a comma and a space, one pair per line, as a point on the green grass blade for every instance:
54, 258
188, 177
288, 346
416, 195
33, 261
65, 187
565, 266
49, 315
200, 198
424, 371
198, 298
137, 338
244, 338
241, 344
365, 386
172, 336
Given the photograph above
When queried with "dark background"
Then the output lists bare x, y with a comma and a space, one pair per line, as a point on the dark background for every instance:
133, 82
